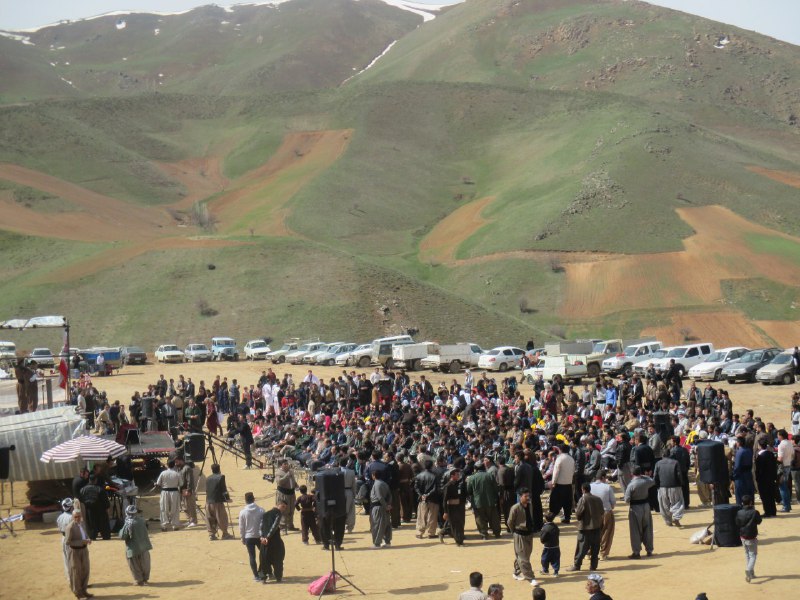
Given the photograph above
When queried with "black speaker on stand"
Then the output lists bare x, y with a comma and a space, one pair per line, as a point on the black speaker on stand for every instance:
726, 532
711, 463
195, 446
331, 505
5, 461
663, 426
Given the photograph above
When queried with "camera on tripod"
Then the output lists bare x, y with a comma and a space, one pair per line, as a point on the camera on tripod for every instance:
268, 477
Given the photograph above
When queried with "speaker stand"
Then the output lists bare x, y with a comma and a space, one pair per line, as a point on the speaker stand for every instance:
334, 573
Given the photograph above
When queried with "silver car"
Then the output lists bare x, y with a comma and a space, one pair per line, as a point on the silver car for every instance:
197, 353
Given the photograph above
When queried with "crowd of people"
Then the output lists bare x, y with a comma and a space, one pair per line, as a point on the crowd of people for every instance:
411, 452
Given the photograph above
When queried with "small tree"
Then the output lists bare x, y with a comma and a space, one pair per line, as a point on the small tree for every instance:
686, 333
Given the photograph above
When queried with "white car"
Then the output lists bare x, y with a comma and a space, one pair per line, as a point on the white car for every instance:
296, 357
641, 366
279, 356
711, 368
41, 357
197, 353
169, 353
256, 350
360, 355
501, 358
311, 357
330, 356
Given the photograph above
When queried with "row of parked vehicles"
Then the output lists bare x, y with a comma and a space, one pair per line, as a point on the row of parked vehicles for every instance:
697, 361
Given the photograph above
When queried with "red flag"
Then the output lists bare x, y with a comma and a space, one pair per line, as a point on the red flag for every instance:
63, 366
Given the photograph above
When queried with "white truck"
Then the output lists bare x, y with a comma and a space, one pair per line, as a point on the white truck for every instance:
550, 366
601, 351
624, 361
451, 358
409, 356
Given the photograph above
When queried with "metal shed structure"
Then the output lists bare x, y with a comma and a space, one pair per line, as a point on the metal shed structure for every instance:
34, 433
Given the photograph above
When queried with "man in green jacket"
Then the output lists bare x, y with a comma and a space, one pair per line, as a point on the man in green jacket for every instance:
137, 545
482, 489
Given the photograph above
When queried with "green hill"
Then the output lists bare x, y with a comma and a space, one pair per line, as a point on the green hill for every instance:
501, 173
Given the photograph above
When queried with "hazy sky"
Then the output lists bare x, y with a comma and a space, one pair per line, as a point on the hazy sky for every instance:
778, 18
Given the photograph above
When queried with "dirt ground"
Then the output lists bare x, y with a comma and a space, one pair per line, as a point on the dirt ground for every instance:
726, 328
787, 177
186, 564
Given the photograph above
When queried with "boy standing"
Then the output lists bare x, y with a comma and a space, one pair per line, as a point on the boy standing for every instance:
551, 552
307, 506
748, 519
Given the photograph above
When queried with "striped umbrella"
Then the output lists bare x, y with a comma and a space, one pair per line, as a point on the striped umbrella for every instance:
84, 448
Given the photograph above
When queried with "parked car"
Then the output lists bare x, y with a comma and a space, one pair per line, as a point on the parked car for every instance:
711, 368
256, 350
382, 349
685, 357
133, 355
746, 367
296, 357
780, 370
41, 358
278, 356
360, 356
550, 366
311, 357
169, 353
501, 358
624, 361
197, 353
453, 358
642, 366
330, 356
224, 348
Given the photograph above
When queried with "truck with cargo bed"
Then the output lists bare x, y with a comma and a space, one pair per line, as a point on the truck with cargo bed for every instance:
452, 358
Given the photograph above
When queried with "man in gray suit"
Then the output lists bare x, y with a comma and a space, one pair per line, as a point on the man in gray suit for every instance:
216, 497
349, 494
640, 521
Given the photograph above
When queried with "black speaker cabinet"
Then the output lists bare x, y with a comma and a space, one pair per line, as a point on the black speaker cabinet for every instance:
726, 532
711, 463
195, 444
5, 462
330, 494
661, 420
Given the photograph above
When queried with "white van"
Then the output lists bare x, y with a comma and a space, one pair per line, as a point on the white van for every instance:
685, 356
382, 349
8, 350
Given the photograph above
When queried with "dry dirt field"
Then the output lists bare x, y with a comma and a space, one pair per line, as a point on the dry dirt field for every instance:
187, 566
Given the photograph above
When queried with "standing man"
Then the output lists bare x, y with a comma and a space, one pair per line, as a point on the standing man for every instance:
246, 437
272, 549
349, 494
64, 519
428, 507
785, 457
589, 513
505, 486
748, 519
520, 521
380, 502
406, 481
561, 494
454, 503
640, 521
187, 488
250, 530
482, 488
602, 490
766, 477
169, 505
285, 486
137, 545
669, 481
681, 454
78, 554
216, 497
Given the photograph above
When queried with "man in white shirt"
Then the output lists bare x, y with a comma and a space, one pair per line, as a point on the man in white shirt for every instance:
785, 457
561, 494
311, 378
250, 530
602, 489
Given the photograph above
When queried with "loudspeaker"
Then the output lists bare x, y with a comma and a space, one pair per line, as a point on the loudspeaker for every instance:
195, 444
711, 463
5, 461
661, 420
147, 407
330, 494
726, 532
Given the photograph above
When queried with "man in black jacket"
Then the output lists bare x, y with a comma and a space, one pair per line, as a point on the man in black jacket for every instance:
669, 481
216, 497
272, 549
681, 454
748, 519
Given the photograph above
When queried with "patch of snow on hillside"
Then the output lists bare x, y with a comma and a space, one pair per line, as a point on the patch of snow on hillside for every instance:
374, 60
121, 24
224, 22
423, 10
67, 81
156, 31
17, 38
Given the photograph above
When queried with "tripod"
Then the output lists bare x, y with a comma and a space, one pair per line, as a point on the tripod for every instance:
210, 450
334, 573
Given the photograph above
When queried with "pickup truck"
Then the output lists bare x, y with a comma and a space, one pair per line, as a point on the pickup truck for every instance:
601, 351
451, 358
409, 356
550, 366
624, 361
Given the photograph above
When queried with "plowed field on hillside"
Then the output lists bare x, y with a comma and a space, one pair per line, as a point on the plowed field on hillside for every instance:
787, 177
443, 241
723, 328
